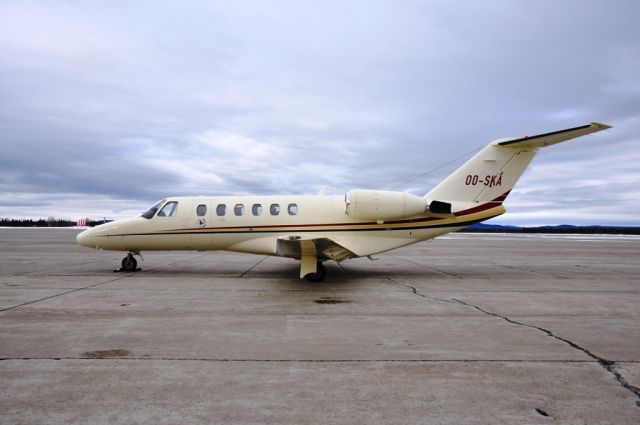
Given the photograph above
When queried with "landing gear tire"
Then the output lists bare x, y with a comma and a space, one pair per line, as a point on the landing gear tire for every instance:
129, 263
319, 275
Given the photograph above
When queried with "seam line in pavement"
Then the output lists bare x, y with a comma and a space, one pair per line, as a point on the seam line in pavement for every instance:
530, 271
310, 360
254, 266
2, 310
442, 272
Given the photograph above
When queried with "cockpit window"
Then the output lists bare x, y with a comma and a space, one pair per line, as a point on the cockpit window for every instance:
169, 210
151, 211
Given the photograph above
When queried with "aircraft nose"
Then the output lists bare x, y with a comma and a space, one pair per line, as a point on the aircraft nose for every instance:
86, 238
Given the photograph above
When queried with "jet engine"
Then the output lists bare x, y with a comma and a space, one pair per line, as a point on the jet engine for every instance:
381, 205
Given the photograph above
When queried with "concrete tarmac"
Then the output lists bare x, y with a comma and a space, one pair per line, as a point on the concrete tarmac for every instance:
466, 329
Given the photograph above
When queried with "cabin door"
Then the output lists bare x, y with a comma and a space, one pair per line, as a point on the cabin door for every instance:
200, 228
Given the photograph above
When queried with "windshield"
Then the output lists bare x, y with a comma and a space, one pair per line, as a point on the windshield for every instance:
151, 211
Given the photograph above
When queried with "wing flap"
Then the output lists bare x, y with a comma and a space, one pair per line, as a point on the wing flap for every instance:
323, 248
548, 139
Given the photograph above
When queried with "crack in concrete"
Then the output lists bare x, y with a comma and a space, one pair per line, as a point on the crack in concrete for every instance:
415, 291
608, 365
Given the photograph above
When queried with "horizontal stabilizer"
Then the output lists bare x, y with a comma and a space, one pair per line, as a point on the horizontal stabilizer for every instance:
547, 139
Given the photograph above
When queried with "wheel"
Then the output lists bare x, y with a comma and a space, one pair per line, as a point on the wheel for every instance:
129, 263
319, 275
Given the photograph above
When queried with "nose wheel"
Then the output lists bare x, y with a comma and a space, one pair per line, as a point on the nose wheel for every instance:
129, 263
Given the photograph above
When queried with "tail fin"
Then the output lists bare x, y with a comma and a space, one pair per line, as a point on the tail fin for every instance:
490, 175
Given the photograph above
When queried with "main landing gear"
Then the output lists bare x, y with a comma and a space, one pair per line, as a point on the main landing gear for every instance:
319, 275
129, 263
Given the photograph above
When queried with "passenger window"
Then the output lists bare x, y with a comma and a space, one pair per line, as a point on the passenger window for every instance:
256, 209
238, 209
201, 211
292, 209
274, 209
169, 210
221, 210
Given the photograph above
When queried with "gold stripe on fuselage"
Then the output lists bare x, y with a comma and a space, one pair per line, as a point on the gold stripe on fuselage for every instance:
420, 223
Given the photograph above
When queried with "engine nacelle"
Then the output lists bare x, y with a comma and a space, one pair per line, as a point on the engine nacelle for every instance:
381, 205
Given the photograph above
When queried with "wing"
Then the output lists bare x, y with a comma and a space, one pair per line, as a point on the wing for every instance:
322, 248
547, 139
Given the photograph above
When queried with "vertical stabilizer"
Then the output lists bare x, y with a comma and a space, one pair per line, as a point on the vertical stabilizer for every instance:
492, 173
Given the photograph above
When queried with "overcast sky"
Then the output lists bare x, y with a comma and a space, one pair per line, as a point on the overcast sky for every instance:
108, 106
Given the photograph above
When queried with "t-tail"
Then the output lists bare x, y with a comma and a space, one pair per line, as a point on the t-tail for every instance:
484, 182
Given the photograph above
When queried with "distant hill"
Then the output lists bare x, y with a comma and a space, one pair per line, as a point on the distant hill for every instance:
562, 228
489, 227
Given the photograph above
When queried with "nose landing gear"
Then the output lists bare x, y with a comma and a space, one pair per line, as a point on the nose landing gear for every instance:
129, 263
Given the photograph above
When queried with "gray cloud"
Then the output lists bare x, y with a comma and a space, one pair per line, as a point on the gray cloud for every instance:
106, 107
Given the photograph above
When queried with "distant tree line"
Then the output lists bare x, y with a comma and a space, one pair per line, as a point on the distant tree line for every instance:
44, 222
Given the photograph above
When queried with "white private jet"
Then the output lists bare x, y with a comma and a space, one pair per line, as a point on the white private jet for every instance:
314, 229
